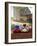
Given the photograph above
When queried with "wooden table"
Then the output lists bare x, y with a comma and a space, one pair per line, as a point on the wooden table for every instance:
23, 35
